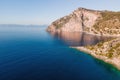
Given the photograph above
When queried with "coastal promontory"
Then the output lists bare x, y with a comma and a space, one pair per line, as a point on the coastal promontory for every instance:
95, 22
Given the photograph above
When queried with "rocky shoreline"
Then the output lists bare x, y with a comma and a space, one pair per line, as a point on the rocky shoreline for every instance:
114, 61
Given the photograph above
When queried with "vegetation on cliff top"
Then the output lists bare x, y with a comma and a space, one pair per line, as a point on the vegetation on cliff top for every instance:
109, 23
109, 49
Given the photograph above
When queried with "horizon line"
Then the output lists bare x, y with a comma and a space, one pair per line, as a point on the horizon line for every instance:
25, 24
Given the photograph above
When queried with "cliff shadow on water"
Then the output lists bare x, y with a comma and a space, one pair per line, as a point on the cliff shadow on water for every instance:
78, 38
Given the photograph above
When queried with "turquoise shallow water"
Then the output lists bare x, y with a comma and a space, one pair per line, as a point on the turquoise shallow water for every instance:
30, 53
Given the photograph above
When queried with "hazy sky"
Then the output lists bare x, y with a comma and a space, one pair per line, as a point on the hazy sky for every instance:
46, 11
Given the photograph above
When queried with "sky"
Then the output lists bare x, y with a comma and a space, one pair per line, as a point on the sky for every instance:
43, 12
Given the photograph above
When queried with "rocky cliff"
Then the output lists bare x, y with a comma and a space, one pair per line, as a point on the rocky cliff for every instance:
89, 21
79, 20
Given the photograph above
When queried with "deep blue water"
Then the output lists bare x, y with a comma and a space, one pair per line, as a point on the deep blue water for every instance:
30, 53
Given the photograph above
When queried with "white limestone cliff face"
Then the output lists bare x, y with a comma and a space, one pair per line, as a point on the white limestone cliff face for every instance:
78, 21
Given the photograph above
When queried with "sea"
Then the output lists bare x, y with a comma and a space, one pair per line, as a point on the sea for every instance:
29, 52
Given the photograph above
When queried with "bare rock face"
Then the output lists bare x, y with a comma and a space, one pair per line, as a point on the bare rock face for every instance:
78, 21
